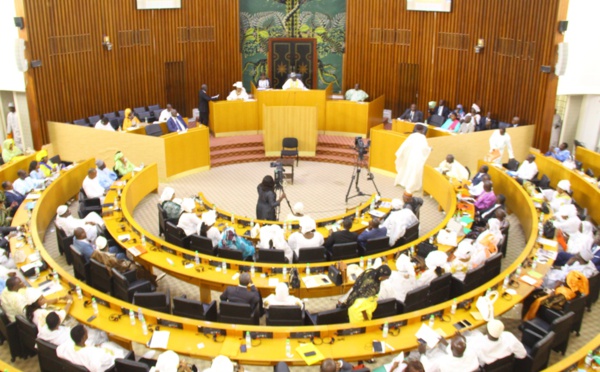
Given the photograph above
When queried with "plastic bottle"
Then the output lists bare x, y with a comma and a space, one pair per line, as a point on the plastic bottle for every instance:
288, 349
251, 223
386, 329
196, 258
372, 206
431, 239
589, 358
284, 227
224, 267
519, 269
143, 241
453, 308
140, 315
56, 278
534, 263
37, 272
144, 327
94, 305
252, 271
369, 263
361, 262
131, 317
307, 269
284, 272
506, 282
412, 250
356, 214
248, 340
431, 320
78, 291
232, 218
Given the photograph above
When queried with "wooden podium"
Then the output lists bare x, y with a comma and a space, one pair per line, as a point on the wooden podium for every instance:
290, 121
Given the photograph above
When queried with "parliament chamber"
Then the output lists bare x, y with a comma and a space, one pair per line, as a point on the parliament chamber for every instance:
326, 127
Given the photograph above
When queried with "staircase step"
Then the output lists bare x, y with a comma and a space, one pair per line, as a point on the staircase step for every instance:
236, 159
335, 141
249, 150
219, 143
336, 159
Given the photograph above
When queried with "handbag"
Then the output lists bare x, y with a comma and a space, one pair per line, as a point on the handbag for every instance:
485, 305
424, 248
549, 230
294, 278
335, 275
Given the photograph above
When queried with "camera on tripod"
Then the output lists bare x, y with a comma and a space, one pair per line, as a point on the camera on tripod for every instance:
361, 147
277, 172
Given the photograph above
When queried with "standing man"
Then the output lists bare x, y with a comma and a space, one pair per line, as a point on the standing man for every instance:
12, 125
412, 114
203, 99
356, 94
555, 134
410, 160
499, 141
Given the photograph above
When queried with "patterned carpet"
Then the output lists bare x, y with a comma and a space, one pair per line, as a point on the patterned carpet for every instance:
322, 188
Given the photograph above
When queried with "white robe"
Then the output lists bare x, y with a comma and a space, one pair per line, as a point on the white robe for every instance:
213, 234
12, 126
527, 170
100, 125
190, 223
397, 286
96, 359
410, 160
165, 115
500, 142
69, 224
397, 222
92, 188
291, 84
13, 303
454, 170
555, 133
489, 351
297, 241
233, 96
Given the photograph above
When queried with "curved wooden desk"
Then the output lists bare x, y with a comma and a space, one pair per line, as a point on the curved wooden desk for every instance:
590, 159
271, 350
576, 359
8, 171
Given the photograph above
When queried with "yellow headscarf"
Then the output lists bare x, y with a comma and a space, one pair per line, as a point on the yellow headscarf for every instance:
127, 123
7, 153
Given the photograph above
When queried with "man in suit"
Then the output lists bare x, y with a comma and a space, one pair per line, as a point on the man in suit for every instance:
412, 114
82, 245
13, 198
176, 123
478, 177
341, 236
203, 99
412, 202
241, 294
441, 109
373, 231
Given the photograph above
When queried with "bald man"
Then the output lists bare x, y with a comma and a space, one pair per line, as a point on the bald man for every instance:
455, 358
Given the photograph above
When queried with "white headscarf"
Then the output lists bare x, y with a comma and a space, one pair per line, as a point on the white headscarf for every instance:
582, 241
282, 292
436, 259
62, 210
404, 266
209, 218
298, 208
167, 362
494, 228
397, 204
101, 242
272, 232
567, 211
167, 194
564, 185
222, 364
32, 295
188, 205
307, 224
464, 251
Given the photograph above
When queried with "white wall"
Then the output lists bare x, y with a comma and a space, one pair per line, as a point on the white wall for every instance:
11, 79
588, 126
582, 76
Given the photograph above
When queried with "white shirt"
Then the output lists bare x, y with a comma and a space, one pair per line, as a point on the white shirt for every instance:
59, 336
96, 359
489, 351
293, 84
164, 116
69, 224
441, 362
527, 170
397, 286
397, 222
190, 223
100, 125
453, 170
569, 225
297, 241
234, 96
500, 142
263, 84
92, 188
12, 126
27, 185
212, 233
13, 303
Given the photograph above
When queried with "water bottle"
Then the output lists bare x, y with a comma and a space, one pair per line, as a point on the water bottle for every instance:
94, 305
361, 263
144, 327
431, 320
78, 291
589, 358
140, 315
386, 329
431, 239
131, 317
248, 341
143, 241
284, 272
37, 272
116, 205
55, 277
251, 223
369, 263
519, 269
534, 263
307, 269
356, 214
252, 271
412, 250
232, 218
372, 206
196, 258
119, 192
288, 349
284, 227
506, 282
453, 308
224, 267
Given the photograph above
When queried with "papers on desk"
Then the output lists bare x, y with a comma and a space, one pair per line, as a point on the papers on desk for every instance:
31, 265
376, 213
529, 280
50, 287
549, 243
314, 355
34, 257
30, 205
545, 254
428, 335
215, 97
314, 281
137, 250
32, 196
123, 237
159, 340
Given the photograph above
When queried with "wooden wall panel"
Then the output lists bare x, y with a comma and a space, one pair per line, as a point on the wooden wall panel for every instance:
505, 79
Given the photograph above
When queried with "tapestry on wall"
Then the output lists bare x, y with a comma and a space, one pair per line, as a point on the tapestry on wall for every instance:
321, 20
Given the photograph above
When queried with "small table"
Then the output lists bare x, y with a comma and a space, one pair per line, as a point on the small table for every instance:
288, 162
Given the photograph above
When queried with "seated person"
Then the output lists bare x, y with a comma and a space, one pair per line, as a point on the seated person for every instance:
341, 236
412, 114
170, 204
82, 244
401, 281
527, 170
436, 263
94, 358
361, 300
122, 165
500, 215
476, 190
398, 364
482, 217
453, 169
91, 223
587, 261
10, 150
307, 237
483, 170
115, 258
238, 94
91, 186
373, 231
35, 309
398, 221
189, 221
13, 199
582, 239
297, 212
244, 293
560, 153
330, 365
272, 237
165, 114
467, 125
497, 344
463, 259
208, 229
487, 198
104, 124
282, 297
46, 166
459, 111
13, 298
412, 202
487, 242
25, 184
566, 220
170, 361
456, 357
222, 364
356, 94
561, 196
35, 172
106, 176
176, 123
130, 121
293, 83
55, 333
263, 82
452, 124
231, 240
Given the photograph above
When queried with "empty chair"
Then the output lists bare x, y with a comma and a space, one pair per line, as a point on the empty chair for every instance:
126, 365
492, 267
439, 289
81, 122
505, 364
158, 301
139, 110
310, 255
270, 256
334, 316
175, 235
415, 299
109, 115
377, 245
512, 165
473, 279
231, 254
100, 277
289, 147
81, 269
121, 113
88, 205
576, 305
49, 361
238, 313
202, 244
157, 113
93, 119
538, 351
592, 297
561, 326
10, 332
154, 130
146, 116
385, 308
27, 333
343, 251
126, 284
436, 120
64, 242
153, 108
195, 309
285, 316
411, 234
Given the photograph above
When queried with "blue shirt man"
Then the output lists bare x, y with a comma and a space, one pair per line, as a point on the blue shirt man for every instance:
106, 176
372, 232
82, 245
560, 153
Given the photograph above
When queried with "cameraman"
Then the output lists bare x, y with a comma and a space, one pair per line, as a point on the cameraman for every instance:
267, 200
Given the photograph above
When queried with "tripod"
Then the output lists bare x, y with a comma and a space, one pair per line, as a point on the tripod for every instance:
279, 187
360, 162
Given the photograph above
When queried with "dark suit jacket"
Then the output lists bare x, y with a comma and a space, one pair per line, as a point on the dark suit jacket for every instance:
241, 295
417, 117
340, 237
203, 99
445, 111
477, 178
172, 125
13, 196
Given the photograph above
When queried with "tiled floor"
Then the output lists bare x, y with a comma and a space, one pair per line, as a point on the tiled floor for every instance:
322, 188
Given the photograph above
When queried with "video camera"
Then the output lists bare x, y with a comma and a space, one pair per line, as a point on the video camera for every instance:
361, 147
277, 172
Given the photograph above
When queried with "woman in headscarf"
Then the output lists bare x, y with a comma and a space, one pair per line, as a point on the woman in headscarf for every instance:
463, 259
307, 237
9, 150
231, 240
561, 196
272, 237
171, 208
130, 121
122, 165
267, 200
566, 288
46, 166
362, 299
207, 228
582, 239
567, 220
452, 124
189, 221
297, 212
34, 171
487, 242
169, 361
400, 282
436, 263
282, 297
